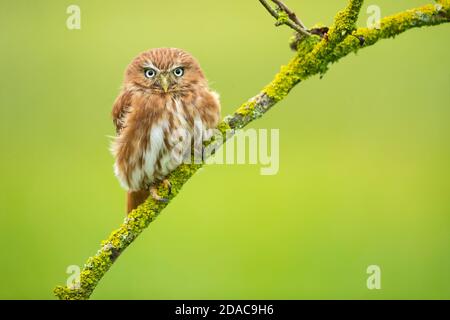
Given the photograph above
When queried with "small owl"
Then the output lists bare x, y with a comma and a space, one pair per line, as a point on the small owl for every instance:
165, 105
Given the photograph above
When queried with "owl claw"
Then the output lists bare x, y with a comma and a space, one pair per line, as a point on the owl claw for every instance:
168, 185
156, 196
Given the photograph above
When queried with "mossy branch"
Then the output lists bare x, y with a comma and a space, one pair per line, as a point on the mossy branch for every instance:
314, 55
284, 15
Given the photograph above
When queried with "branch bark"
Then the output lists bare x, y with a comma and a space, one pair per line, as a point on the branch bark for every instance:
314, 55
285, 16
291, 14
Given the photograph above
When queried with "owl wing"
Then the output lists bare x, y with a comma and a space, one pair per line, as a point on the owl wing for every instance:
120, 110
209, 109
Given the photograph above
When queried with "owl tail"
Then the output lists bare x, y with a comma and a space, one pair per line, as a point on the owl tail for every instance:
136, 198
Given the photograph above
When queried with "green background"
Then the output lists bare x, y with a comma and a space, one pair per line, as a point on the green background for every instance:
364, 158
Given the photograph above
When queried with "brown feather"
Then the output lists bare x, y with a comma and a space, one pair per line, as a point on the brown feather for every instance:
136, 198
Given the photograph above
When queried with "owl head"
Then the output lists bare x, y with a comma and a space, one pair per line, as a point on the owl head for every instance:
165, 71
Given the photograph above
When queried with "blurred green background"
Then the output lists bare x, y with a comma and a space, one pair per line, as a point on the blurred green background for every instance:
364, 158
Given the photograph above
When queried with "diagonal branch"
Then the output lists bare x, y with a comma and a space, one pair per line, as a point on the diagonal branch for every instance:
291, 14
285, 16
313, 57
344, 22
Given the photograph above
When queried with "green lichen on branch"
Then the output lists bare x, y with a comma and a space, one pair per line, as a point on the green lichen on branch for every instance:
313, 56
138, 220
344, 23
314, 61
392, 26
289, 76
283, 18
312, 53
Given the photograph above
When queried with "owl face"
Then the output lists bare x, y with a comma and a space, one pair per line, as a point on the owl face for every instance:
165, 71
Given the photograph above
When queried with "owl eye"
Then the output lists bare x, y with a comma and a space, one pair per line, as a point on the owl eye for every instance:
149, 73
178, 71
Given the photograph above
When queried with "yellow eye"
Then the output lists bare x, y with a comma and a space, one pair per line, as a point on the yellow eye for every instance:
178, 72
150, 73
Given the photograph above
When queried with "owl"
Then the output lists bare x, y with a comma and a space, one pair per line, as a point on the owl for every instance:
164, 110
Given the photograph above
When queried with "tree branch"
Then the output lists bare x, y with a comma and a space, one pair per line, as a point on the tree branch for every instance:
313, 57
344, 22
285, 16
290, 13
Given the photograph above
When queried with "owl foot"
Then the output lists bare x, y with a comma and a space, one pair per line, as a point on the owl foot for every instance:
168, 185
156, 196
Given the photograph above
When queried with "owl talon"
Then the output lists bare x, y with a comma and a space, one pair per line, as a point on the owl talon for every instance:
168, 185
154, 194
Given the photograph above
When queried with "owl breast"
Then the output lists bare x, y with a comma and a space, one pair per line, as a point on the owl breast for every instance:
151, 146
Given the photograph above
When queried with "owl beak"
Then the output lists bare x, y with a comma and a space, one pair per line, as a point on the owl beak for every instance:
164, 83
